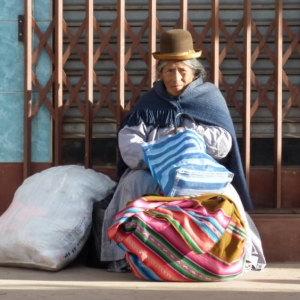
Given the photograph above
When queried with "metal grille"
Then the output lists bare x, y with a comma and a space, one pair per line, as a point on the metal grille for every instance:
102, 63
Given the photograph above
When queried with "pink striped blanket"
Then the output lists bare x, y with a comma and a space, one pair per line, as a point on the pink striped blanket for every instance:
187, 238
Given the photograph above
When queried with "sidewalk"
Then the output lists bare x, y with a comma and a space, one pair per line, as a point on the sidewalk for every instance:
276, 281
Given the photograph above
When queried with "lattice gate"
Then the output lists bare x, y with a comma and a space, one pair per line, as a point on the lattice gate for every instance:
101, 57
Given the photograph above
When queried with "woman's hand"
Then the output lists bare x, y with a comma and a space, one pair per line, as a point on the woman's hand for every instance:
178, 129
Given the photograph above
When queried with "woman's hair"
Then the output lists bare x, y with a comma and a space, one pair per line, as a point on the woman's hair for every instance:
193, 63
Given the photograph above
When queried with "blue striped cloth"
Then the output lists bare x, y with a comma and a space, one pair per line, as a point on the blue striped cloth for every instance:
181, 166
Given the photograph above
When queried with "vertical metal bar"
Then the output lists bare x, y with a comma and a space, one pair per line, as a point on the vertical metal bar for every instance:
27, 89
183, 14
58, 94
215, 42
152, 42
121, 60
247, 89
89, 55
278, 102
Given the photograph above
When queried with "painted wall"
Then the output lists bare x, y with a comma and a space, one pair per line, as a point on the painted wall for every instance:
12, 85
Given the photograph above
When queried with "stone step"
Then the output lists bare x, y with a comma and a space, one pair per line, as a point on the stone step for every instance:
280, 235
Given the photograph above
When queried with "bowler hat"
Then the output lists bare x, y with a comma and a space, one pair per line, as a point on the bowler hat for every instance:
176, 44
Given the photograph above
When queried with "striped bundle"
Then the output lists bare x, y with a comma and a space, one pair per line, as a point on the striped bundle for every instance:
196, 238
181, 166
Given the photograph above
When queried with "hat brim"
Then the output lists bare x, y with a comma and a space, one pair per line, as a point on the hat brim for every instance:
177, 56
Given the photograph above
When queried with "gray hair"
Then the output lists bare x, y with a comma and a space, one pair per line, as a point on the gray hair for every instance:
194, 64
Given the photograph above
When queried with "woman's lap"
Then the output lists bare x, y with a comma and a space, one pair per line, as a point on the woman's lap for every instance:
136, 183
133, 184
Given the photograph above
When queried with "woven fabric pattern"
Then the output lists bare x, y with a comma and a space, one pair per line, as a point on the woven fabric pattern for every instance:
182, 167
197, 238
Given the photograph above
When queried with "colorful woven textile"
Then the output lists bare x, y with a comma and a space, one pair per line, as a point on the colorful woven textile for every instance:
181, 166
195, 238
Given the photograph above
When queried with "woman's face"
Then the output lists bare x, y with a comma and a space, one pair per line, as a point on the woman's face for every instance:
176, 76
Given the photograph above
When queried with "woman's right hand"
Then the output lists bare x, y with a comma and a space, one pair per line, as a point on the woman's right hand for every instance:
178, 129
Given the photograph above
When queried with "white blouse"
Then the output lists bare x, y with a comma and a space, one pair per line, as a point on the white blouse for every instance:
218, 141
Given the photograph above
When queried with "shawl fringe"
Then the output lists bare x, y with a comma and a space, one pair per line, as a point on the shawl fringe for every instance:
160, 118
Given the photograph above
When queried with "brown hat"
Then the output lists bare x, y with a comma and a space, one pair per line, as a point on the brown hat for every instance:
176, 44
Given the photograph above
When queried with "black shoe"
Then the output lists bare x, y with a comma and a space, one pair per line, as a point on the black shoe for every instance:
119, 266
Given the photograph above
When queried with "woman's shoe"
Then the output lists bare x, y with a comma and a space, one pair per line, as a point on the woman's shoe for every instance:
118, 266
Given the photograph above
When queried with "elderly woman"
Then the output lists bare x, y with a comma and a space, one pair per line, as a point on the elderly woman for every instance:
180, 88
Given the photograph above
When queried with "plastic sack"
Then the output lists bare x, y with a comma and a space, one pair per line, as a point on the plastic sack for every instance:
50, 217
95, 240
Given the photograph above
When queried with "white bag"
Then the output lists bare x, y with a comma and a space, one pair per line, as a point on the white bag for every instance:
50, 217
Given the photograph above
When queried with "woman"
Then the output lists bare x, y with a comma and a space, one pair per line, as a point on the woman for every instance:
180, 88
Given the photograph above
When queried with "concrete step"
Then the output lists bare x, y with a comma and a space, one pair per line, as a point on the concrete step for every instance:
280, 235
275, 282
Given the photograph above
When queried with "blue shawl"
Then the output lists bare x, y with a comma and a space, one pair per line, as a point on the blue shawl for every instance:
205, 103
